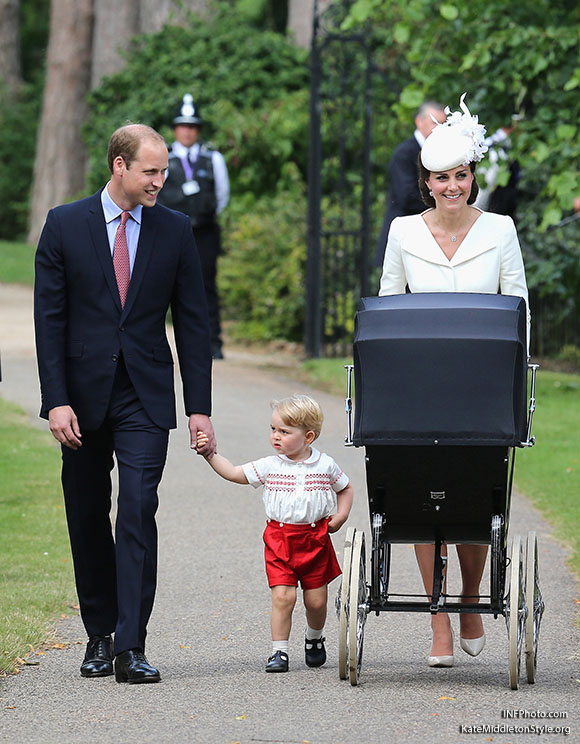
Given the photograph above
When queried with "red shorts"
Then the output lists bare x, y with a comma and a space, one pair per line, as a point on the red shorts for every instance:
300, 553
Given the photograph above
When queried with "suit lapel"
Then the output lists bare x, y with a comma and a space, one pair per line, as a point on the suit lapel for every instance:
423, 245
145, 245
98, 230
477, 241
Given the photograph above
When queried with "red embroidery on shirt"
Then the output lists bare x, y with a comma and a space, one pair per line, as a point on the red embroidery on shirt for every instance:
258, 476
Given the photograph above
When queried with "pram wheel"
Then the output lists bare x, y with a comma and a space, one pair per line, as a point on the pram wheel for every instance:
516, 611
535, 605
357, 611
343, 604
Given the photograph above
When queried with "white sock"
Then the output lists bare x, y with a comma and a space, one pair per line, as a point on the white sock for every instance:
280, 646
312, 634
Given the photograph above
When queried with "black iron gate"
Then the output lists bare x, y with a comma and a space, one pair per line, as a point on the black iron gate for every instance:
337, 271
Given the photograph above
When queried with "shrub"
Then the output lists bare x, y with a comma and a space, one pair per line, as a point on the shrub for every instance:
261, 275
251, 86
252, 89
570, 353
19, 113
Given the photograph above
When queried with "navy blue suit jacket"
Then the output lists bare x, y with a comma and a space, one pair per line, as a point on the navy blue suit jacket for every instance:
404, 194
80, 326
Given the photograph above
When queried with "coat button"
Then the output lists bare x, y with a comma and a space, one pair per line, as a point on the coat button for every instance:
115, 357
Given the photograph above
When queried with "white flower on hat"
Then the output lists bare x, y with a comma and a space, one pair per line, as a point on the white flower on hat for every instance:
458, 141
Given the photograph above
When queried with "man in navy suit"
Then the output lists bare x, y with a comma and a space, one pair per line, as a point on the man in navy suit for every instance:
106, 374
404, 195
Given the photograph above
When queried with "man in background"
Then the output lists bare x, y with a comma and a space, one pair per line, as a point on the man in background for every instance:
197, 184
404, 196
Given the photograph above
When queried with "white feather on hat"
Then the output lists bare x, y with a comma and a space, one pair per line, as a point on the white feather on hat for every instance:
458, 141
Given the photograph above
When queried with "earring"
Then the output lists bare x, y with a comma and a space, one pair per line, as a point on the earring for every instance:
430, 193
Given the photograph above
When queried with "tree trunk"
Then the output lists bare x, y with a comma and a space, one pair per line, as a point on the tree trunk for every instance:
300, 14
59, 169
157, 13
300, 20
10, 68
115, 25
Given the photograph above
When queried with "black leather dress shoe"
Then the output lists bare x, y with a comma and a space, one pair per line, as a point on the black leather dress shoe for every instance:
132, 667
98, 661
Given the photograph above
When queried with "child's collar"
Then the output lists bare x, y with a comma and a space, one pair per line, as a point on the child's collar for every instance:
313, 458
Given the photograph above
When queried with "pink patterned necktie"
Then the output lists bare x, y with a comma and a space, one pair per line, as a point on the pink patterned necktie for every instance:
121, 259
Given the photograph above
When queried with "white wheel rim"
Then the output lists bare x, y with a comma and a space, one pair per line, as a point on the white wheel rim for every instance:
535, 606
344, 604
516, 612
357, 614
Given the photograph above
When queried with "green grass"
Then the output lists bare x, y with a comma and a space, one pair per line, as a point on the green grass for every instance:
36, 579
16, 263
327, 374
549, 472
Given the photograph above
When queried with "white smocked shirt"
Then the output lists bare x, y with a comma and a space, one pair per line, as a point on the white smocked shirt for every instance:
297, 492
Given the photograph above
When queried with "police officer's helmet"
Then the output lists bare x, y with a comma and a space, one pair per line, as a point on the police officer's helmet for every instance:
188, 112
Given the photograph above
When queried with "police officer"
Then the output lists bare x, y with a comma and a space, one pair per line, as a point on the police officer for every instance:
197, 184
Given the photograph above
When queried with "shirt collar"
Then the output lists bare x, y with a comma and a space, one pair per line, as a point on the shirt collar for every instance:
311, 460
112, 211
181, 151
419, 137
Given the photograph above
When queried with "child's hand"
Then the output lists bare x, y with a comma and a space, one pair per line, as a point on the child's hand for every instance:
335, 522
202, 439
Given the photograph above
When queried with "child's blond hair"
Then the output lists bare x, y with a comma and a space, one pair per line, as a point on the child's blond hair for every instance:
300, 410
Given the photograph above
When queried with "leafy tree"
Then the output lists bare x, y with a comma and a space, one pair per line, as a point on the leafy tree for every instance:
523, 59
250, 84
19, 115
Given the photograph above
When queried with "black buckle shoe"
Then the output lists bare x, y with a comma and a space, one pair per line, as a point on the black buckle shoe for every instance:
98, 661
315, 652
278, 662
132, 667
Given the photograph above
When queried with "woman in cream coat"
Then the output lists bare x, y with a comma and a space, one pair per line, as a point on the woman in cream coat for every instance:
453, 247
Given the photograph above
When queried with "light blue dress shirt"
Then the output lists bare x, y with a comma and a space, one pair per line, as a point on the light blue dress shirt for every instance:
113, 219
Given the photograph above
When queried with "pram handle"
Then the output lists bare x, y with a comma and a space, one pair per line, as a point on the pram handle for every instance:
348, 441
531, 440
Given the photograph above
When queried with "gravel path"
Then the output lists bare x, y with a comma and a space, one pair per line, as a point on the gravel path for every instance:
209, 632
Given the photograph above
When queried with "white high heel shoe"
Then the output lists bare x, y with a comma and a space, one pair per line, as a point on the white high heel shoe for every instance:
441, 661
472, 646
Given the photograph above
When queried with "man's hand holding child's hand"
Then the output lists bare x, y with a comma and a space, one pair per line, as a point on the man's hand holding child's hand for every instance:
202, 440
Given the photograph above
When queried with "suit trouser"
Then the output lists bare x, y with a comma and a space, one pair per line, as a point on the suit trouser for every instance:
116, 578
208, 241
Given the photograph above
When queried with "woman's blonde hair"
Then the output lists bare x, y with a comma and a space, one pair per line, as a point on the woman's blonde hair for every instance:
300, 410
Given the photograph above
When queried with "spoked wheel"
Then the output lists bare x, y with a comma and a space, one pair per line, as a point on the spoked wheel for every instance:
357, 611
516, 611
498, 561
535, 605
342, 605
